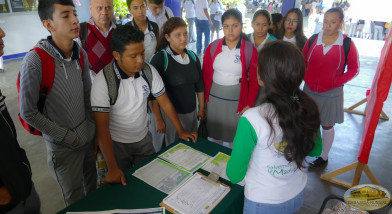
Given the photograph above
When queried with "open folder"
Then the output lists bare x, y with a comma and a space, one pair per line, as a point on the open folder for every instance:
199, 194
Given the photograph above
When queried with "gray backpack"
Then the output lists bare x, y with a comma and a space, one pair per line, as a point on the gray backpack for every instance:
113, 81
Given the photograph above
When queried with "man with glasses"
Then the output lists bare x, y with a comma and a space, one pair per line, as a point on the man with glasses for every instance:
95, 35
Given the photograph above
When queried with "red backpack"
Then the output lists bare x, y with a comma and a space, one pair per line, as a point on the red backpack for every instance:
48, 72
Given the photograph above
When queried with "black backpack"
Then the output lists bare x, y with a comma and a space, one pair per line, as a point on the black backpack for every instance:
113, 81
346, 47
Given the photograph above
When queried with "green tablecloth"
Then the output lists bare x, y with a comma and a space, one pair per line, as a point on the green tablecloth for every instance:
137, 194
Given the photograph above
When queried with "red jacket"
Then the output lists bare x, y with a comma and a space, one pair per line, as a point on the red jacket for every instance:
325, 72
249, 89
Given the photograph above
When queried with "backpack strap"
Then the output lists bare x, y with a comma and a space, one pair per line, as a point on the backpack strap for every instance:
83, 33
249, 36
214, 46
165, 60
192, 54
248, 53
147, 76
167, 15
81, 61
346, 48
112, 81
311, 40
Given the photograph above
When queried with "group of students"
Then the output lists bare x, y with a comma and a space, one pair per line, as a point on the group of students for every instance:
270, 138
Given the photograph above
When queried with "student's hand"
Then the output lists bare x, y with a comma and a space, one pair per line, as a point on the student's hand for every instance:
243, 110
115, 176
201, 115
160, 126
210, 23
188, 136
5, 197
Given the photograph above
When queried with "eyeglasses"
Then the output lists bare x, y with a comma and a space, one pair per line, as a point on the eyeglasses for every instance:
108, 8
294, 21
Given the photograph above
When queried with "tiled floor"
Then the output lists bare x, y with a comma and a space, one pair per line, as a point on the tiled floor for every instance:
344, 151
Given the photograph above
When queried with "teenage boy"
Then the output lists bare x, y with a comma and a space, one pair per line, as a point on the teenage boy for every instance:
66, 121
122, 130
95, 35
17, 192
157, 12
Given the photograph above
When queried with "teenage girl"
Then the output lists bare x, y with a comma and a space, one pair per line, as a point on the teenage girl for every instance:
276, 24
139, 20
325, 75
180, 70
292, 28
261, 22
216, 10
230, 83
273, 139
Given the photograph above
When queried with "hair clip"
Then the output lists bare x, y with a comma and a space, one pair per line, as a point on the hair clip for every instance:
294, 98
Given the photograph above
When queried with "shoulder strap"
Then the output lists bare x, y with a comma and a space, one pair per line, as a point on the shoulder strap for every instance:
147, 76
167, 15
83, 33
113, 82
248, 53
249, 36
192, 54
214, 46
311, 40
81, 61
165, 60
346, 48
155, 29
48, 73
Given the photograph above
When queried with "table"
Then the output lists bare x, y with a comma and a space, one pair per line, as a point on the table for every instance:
137, 194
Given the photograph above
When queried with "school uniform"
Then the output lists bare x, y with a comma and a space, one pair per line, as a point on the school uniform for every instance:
128, 123
227, 88
189, 6
267, 39
162, 17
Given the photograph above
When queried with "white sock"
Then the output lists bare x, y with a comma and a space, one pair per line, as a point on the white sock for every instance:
327, 137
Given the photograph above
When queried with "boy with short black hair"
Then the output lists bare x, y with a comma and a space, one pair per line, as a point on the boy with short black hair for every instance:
157, 12
120, 108
66, 120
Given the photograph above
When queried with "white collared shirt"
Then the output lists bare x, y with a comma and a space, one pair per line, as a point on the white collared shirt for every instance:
292, 40
252, 39
227, 67
189, 8
161, 18
338, 41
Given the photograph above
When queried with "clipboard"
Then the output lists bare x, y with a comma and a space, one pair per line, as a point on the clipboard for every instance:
208, 189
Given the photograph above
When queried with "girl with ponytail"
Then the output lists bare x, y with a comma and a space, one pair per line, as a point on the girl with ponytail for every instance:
273, 139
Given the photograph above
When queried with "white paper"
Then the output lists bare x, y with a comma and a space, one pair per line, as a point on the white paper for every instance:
196, 196
158, 210
162, 175
218, 165
185, 157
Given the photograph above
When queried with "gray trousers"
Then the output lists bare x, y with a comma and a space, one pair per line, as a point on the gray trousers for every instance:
74, 171
130, 154
31, 205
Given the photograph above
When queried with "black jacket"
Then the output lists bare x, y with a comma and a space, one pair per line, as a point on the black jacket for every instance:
15, 171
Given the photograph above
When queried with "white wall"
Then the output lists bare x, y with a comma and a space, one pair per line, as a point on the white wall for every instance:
23, 30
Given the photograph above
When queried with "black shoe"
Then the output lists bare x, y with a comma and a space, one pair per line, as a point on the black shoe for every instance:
319, 162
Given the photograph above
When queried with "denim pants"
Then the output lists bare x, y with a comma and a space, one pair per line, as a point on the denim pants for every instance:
191, 23
287, 207
202, 27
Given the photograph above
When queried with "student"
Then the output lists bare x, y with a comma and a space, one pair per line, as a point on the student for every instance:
151, 30
203, 25
157, 12
181, 75
66, 121
17, 191
94, 35
325, 75
120, 19
276, 26
230, 84
216, 11
189, 7
128, 19
273, 139
261, 23
122, 130
292, 28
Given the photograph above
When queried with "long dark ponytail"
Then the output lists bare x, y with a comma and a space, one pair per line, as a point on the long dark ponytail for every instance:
282, 68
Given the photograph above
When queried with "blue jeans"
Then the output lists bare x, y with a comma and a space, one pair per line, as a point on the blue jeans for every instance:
191, 23
287, 207
202, 27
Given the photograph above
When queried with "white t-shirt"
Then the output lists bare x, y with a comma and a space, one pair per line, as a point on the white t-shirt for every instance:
292, 40
270, 178
200, 5
218, 7
227, 67
189, 9
252, 39
161, 18
128, 116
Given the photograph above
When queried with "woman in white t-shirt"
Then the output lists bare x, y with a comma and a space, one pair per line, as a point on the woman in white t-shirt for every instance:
273, 139
292, 28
